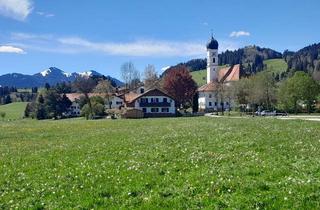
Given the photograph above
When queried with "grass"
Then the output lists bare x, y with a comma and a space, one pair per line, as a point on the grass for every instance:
276, 65
13, 111
175, 163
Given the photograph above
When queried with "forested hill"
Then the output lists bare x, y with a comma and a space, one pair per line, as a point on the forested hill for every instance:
306, 59
252, 55
247, 55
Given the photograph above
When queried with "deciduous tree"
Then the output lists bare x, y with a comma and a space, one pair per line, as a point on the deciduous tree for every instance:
178, 82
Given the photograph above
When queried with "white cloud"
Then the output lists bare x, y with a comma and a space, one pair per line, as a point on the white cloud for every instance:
11, 49
239, 33
140, 48
154, 48
16, 9
45, 14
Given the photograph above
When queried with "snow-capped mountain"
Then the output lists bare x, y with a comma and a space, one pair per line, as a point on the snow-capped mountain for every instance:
89, 73
51, 75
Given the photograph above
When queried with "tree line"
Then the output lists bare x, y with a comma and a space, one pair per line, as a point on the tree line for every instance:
306, 59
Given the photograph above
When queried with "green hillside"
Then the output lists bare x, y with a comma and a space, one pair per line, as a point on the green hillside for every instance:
14, 110
276, 65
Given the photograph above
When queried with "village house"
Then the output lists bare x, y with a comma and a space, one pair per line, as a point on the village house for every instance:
115, 102
153, 103
209, 98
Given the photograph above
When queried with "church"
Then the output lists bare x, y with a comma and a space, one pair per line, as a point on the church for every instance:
211, 96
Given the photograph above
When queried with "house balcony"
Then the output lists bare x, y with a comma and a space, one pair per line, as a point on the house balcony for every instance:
155, 104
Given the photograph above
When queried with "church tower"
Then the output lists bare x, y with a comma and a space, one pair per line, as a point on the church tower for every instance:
212, 60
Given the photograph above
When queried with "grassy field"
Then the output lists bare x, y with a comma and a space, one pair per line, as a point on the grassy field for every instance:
13, 111
276, 65
176, 163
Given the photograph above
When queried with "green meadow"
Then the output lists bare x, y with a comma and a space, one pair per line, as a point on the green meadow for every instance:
276, 65
168, 163
13, 111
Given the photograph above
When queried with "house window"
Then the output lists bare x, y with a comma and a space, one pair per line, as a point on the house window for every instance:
154, 110
144, 110
165, 110
215, 103
144, 100
118, 102
227, 103
165, 100
210, 103
154, 100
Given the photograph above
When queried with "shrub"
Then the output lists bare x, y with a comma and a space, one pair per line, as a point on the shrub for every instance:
2, 115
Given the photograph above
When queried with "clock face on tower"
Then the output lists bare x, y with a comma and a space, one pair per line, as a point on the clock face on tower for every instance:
214, 54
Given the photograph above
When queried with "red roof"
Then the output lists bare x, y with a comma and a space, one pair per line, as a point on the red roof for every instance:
75, 96
225, 75
229, 74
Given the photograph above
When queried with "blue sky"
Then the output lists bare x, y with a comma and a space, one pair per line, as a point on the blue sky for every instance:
76, 35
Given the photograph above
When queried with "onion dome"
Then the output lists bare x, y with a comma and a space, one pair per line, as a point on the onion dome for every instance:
212, 44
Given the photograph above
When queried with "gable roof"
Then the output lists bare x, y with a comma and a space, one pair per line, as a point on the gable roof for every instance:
75, 96
210, 87
151, 92
225, 75
229, 74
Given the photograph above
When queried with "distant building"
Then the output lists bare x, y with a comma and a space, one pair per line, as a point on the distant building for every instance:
209, 99
153, 103
115, 102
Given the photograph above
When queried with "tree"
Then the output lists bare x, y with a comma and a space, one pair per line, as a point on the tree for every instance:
85, 86
7, 99
40, 112
97, 108
2, 115
47, 86
300, 87
63, 87
105, 88
264, 90
178, 82
150, 77
130, 75
195, 103
242, 92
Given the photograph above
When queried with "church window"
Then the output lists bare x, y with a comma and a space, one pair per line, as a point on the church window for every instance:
210, 104
210, 96
214, 60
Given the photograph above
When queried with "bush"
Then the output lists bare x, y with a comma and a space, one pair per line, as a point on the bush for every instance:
2, 115
96, 111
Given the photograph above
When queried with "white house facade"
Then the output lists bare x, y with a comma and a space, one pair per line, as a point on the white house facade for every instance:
154, 103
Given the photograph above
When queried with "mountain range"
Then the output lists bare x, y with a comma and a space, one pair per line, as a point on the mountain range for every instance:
51, 76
